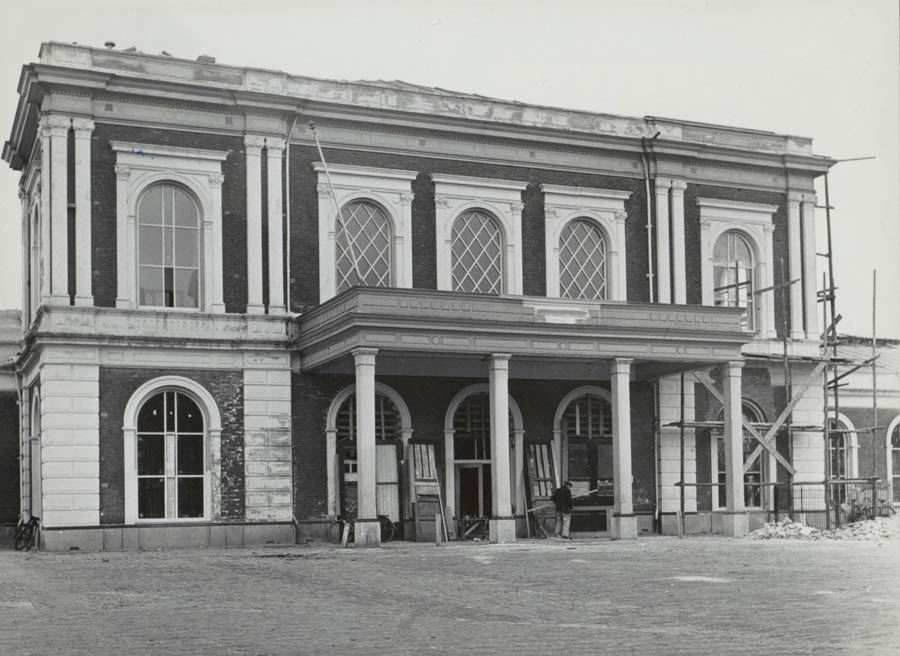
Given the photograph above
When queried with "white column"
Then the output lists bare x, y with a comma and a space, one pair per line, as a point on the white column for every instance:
25, 268
253, 151
503, 525
274, 156
44, 236
125, 292
767, 278
679, 274
449, 475
663, 272
624, 524
367, 529
795, 258
216, 302
331, 471
59, 209
404, 272
810, 298
518, 473
83, 253
514, 255
706, 265
736, 522
620, 257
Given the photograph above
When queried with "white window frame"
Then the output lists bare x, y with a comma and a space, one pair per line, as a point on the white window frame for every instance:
606, 208
851, 444
212, 422
754, 222
454, 195
139, 166
389, 188
889, 462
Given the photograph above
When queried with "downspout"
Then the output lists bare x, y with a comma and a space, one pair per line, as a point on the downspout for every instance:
287, 210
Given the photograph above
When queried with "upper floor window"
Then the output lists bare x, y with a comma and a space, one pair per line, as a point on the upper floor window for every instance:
582, 261
733, 268
477, 253
362, 246
168, 248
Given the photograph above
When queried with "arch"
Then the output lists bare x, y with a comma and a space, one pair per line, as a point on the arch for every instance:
892, 476
851, 444
577, 393
369, 196
767, 465
480, 388
141, 182
380, 388
213, 434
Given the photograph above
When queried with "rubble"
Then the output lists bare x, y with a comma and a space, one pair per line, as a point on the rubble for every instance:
881, 528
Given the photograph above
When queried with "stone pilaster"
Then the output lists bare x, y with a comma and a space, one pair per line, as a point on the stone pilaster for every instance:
624, 523
663, 268
679, 275
274, 158
735, 520
253, 152
83, 253
367, 529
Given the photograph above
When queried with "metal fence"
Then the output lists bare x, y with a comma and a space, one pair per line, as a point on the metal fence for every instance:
849, 501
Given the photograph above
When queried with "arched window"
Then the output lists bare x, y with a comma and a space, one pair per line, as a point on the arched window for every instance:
586, 428
733, 267
362, 246
168, 248
756, 475
472, 428
839, 449
895, 461
582, 261
171, 448
476, 253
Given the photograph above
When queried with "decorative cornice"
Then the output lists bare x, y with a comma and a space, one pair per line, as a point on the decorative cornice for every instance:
736, 205
365, 171
168, 151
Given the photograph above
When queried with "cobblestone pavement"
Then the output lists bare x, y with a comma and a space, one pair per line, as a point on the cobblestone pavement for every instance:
652, 596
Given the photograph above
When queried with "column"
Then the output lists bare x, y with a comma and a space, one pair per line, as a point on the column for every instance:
619, 257
253, 152
767, 300
663, 272
125, 265
27, 255
624, 523
44, 236
366, 528
59, 209
449, 476
679, 275
514, 255
503, 524
669, 395
796, 264
706, 265
83, 253
217, 273
735, 520
274, 156
810, 299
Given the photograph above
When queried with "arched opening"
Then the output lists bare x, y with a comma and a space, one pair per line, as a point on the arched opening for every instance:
755, 493
734, 279
363, 239
476, 253
582, 261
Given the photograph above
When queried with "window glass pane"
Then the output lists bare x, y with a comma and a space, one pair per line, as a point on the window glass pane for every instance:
184, 210
168, 250
190, 497
151, 284
170, 412
186, 251
150, 241
151, 207
168, 287
363, 237
167, 205
151, 455
582, 261
185, 288
189, 418
151, 498
476, 250
150, 417
190, 454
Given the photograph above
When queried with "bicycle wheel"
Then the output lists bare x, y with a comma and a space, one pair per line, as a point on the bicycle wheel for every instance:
335, 530
387, 528
21, 539
30, 538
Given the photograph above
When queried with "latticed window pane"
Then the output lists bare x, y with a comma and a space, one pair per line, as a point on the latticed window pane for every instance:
733, 282
589, 416
363, 246
582, 261
476, 254
472, 428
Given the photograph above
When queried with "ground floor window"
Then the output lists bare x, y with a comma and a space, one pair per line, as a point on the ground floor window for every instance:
754, 476
171, 447
895, 461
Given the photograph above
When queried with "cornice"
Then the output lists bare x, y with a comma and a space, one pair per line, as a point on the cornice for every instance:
736, 205
168, 151
365, 171
470, 181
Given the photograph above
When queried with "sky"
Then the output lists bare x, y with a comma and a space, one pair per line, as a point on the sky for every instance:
816, 68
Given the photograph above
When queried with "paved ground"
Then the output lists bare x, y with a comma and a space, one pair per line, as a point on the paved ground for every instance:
653, 596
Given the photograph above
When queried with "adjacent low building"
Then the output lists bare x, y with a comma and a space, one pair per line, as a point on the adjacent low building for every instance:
229, 339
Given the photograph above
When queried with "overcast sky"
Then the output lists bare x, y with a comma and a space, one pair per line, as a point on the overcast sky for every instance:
818, 68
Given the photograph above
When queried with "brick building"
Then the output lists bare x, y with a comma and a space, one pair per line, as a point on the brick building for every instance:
226, 341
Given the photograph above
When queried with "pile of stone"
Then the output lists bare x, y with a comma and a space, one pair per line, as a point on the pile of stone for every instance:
881, 528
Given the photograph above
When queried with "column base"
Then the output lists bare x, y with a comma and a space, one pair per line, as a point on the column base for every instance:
58, 299
503, 530
366, 533
256, 309
84, 301
735, 525
217, 308
276, 309
624, 527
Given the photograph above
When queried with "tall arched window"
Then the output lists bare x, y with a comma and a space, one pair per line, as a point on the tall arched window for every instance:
171, 448
586, 428
362, 246
756, 475
476, 253
895, 461
168, 248
733, 267
838, 449
582, 261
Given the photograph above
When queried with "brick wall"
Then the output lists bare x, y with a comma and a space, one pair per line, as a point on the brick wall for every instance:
872, 453
9, 457
103, 210
428, 400
117, 386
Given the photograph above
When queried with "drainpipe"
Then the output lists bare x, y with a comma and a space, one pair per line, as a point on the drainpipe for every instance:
646, 167
287, 211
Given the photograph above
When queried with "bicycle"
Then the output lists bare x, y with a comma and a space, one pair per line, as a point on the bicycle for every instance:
336, 530
26, 533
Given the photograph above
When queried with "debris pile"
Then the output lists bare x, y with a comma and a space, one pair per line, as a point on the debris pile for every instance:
881, 528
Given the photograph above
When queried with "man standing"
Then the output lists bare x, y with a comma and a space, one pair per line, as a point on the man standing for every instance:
562, 497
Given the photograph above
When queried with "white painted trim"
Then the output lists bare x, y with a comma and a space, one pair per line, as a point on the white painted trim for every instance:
795, 259
561, 464
139, 166
889, 455
851, 445
476, 388
389, 188
453, 195
606, 208
213, 428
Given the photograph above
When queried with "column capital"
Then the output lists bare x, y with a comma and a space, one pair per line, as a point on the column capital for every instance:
216, 179
274, 146
83, 127
54, 125
441, 201
516, 207
21, 193
406, 197
662, 184
323, 190
733, 367
809, 198
622, 365
254, 142
678, 187
364, 355
122, 172
499, 360
620, 218
795, 196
